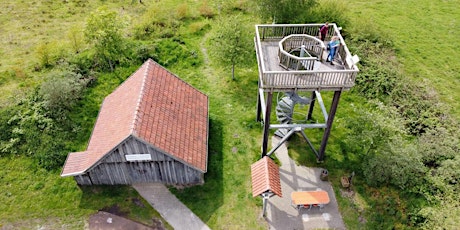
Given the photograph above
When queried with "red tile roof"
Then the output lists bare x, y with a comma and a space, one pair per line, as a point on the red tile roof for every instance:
265, 176
156, 106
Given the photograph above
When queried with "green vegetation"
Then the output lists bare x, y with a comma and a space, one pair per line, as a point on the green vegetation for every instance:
397, 128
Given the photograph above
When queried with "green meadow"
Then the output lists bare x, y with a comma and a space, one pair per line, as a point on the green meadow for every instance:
397, 128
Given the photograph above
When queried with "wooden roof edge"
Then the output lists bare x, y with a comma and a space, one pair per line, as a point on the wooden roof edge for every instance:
266, 164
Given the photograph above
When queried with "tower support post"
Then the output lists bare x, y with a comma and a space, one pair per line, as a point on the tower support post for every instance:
334, 105
312, 104
259, 107
267, 123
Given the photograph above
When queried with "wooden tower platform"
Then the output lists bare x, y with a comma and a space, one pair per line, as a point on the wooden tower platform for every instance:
281, 71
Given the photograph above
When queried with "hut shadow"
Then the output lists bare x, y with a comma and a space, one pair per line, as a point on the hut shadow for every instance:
299, 183
116, 199
204, 200
281, 219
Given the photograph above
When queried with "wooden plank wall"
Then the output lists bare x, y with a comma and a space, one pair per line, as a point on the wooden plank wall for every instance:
114, 169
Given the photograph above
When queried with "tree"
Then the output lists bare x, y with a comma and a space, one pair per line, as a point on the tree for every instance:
232, 41
286, 11
104, 30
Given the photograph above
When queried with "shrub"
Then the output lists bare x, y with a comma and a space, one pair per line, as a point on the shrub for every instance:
419, 106
439, 144
7, 129
329, 11
182, 11
143, 51
379, 70
397, 164
49, 53
206, 10
75, 36
289, 11
156, 23
51, 154
170, 51
60, 92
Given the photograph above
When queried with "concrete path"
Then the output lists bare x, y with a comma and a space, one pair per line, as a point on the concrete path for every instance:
169, 207
282, 215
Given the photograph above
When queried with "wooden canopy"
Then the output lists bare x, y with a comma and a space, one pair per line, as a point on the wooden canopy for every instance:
265, 177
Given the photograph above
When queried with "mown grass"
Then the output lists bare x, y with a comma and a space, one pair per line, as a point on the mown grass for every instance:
424, 37
32, 197
225, 200
29, 25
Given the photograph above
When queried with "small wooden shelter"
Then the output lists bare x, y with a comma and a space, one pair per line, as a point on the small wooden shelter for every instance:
152, 128
266, 181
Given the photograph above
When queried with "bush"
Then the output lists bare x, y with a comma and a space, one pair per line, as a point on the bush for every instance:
143, 51
182, 11
157, 23
398, 165
75, 37
439, 144
419, 106
7, 129
49, 54
51, 154
329, 11
170, 51
206, 10
289, 11
379, 71
60, 92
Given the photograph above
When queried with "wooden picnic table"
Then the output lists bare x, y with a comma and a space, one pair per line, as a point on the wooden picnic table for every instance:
307, 199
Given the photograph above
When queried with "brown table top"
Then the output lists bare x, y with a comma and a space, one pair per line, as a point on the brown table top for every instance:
309, 197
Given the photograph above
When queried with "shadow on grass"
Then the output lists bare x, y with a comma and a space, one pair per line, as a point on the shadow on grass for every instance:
206, 199
120, 200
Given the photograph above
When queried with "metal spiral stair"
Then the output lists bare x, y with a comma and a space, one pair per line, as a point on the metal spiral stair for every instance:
285, 110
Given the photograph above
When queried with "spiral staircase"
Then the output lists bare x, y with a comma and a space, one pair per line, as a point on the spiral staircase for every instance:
285, 110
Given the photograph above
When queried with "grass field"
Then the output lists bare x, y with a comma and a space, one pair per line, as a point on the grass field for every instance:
33, 197
424, 36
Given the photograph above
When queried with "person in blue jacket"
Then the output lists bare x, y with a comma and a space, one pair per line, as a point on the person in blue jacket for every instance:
333, 45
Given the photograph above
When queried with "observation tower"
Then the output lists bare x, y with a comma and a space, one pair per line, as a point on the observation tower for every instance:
292, 65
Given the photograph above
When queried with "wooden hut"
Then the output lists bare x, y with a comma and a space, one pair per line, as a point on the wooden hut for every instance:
266, 181
152, 128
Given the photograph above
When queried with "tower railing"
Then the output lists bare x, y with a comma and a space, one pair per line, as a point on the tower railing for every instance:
303, 80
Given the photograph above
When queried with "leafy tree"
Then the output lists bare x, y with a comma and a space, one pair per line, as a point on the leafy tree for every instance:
232, 41
285, 11
104, 30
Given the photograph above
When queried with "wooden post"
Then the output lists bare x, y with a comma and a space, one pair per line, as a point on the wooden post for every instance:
265, 197
259, 107
267, 123
312, 104
330, 119
264, 206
